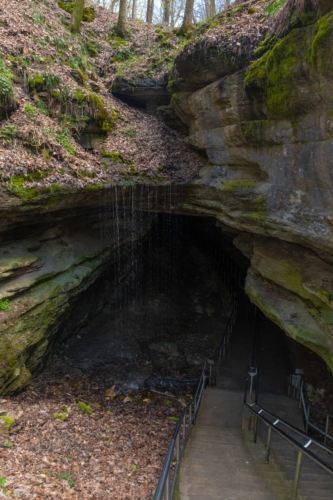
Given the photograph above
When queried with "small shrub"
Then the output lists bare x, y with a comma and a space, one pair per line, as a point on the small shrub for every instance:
30, 111
4, 305
8, 134
8, 444
67, 477
3, 481
63, 139
129, 131
62, 415
6, 78
274, 7
85, 408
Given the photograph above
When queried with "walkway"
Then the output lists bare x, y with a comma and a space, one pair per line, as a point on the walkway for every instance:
220, 461
217, 463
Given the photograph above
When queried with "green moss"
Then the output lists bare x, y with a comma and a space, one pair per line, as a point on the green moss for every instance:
273, 7
9, 422
4, 305
93, 187
300, 54
89, 13
170, 84
273, 73
26, 193
321, 47
36, 82
114, 156
85, 408
30, 111
93, 48
96, 106
174, 99
238, 184
254, 130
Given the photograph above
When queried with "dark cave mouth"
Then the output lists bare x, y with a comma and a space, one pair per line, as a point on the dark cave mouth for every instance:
165, 305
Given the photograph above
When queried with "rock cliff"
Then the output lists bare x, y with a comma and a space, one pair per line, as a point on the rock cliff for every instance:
268, 134
262, 117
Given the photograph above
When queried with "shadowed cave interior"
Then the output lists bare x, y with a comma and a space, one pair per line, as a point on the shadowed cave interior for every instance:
160, 312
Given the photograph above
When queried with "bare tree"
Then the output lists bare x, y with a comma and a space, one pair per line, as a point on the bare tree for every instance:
77, 16
122, 17
150, 10
113, 3
210, 8
188, 16
166, 12
134, 9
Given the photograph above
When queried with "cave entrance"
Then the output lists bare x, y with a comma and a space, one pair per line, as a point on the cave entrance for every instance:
165, 305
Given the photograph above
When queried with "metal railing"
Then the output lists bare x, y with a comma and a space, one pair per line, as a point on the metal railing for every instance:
167, 482
213, 368
168, 478
280, 426
297, 389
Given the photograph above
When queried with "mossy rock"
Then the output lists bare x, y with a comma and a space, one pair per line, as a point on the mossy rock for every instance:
321, 55
302, 56
89, 13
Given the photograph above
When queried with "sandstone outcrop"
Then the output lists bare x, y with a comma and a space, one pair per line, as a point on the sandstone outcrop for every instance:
267, 132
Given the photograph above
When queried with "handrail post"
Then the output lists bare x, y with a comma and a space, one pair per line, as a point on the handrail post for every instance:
268, 445
167, 487
297, 474
326, 427
255, 429
307, 417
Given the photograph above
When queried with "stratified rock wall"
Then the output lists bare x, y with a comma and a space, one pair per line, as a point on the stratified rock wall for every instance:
268, 134
44, 270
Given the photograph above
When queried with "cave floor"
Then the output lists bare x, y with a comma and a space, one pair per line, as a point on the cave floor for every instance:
164, 328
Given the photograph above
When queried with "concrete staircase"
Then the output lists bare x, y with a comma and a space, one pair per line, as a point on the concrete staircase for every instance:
217, 463
222, 462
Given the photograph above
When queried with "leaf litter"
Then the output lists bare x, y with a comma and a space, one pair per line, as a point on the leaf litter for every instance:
114, 451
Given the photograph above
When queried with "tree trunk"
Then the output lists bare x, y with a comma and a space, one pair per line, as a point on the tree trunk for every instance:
166, 13
150, 11
172, 13
210, 8
188, 16
112, 5
134, 9
122, 16
77, 16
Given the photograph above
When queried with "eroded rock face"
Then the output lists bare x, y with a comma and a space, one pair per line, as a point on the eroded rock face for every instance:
268, 134
44, 270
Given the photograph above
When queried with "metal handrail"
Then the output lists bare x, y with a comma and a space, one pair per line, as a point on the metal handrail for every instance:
213, 368
167, 482
297, 387
259, 413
